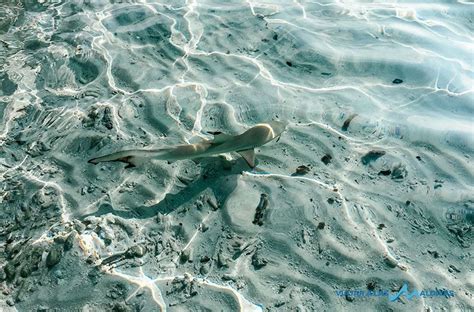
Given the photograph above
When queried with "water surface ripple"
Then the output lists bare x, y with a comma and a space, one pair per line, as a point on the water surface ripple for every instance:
379, 97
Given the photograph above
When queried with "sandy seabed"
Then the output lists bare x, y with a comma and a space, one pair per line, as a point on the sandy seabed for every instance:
370, 188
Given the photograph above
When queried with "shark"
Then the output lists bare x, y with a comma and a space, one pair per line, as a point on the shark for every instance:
244, 144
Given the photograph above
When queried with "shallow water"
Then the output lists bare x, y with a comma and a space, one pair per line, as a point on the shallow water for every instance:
379, 97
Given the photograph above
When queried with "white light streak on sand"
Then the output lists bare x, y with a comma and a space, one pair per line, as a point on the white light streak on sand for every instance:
144, 281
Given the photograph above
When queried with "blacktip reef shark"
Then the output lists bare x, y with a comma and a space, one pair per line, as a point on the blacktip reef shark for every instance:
244, 144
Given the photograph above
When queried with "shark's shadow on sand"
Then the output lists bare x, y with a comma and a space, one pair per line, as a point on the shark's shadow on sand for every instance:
220, 177
217, 176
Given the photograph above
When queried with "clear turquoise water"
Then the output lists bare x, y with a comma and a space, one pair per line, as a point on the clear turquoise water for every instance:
80, 78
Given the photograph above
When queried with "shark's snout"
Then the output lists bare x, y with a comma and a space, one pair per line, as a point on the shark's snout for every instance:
278, 127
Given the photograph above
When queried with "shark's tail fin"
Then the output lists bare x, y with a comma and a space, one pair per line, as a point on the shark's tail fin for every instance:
131, 157
131, 161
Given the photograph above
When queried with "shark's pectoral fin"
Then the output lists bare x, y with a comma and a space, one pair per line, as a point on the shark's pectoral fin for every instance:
129, 160
130, 165
249, 156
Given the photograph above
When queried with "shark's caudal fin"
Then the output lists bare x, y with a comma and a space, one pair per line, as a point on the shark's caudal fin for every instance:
249, 156
131, 161
124, 156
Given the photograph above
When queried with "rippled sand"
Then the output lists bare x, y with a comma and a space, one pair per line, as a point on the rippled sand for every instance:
380, 103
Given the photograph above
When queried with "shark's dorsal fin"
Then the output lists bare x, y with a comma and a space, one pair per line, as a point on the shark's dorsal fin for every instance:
249, 156
196, 139
219, 137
